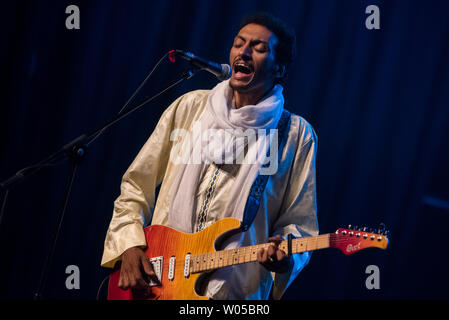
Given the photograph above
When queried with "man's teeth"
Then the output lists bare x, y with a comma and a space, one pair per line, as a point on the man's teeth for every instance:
242, 68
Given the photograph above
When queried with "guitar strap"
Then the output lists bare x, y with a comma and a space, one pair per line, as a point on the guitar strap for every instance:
258, 187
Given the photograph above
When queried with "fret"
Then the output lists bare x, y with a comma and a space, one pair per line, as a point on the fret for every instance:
228, 257
310, 245
203, 262
192, 264
200, 262
216, 259
220, 259
283, 246
209, 261
212, 260
254, 250
235, 257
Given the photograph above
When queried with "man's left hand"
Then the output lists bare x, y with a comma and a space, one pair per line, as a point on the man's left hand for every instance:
273, 258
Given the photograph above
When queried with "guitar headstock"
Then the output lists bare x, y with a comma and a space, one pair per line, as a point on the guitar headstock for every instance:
350, 240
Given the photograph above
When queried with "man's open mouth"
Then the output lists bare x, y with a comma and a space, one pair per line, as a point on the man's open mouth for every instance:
243, 70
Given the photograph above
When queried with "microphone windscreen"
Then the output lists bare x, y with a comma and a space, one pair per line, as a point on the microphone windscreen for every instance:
226, 72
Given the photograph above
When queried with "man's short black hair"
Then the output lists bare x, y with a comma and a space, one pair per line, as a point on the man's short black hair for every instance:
286, 47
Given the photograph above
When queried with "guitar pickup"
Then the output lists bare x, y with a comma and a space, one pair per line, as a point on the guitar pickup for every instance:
171, 268
158, 264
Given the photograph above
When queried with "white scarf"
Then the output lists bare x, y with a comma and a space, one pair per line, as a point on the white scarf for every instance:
224, 121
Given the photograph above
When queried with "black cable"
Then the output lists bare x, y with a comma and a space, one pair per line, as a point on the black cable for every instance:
99, 288
3, 205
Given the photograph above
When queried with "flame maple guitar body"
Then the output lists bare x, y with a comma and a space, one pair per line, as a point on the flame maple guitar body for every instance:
167, 243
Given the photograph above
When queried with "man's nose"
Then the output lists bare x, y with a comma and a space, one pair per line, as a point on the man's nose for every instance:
245, 51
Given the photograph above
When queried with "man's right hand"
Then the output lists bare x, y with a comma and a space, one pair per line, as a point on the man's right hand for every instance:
135, 270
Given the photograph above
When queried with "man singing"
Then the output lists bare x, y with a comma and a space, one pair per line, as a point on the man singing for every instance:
193, 195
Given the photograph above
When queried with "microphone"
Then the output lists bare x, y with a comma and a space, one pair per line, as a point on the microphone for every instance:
221, 71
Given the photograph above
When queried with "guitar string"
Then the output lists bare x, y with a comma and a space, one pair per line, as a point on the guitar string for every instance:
241, 251
321, 239
229, 256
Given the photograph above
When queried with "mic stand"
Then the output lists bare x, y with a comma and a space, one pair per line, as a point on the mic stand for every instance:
75, 156
75, 152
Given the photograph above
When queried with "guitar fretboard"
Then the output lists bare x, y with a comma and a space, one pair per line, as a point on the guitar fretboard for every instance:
224, 258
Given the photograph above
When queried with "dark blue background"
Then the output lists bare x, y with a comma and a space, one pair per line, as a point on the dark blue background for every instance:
378, 100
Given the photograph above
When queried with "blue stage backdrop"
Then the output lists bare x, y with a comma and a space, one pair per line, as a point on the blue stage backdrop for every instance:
377, 98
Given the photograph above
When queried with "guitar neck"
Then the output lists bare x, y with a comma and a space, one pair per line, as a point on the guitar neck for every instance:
219, 259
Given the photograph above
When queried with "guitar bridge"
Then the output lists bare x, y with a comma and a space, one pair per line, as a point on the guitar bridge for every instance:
157, 263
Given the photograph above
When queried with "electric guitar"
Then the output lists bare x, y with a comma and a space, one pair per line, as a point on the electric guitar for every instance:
180, 260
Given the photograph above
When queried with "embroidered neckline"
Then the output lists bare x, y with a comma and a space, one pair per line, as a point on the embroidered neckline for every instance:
206, 203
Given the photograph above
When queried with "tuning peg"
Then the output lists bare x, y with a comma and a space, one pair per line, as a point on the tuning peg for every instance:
349, 227
356, 227
365, 229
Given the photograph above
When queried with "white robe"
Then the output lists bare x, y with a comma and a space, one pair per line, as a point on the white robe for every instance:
288, 204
